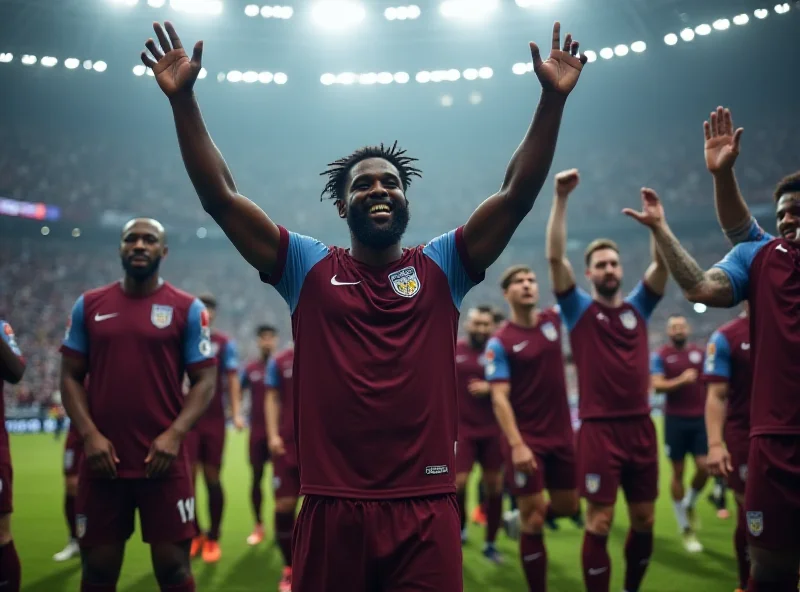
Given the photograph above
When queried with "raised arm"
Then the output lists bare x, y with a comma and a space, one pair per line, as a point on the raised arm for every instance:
657, 273
492, 225
250, 230
562, 277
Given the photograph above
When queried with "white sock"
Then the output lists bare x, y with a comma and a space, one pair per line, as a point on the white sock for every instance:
680, 515
691, 497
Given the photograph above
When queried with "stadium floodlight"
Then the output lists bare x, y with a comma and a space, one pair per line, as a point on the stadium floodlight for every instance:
211, 7
234, 76
337, 14
156, 3
721, 24
741, 19
414, 11
438, 75
700, 308
475, 98
782, 8
6, 57
390, 13
485, 73
453, 75
703, 29
470, 74
402, 13
280, 78
100, 66
87, 64
28, 60
474, 10
368, 78
447, 101
346, 78
423, 77
327, 79
761, 13
606, 53
385, 78
202, 74
45, 230
520, 68
48, 61
72, 63
590, 56
267, 11
76, 232
401, 77
621, 50
138, 70
250, 76
265, 77
670, 39
251, 10
202, 232
687, 34
149, 72
638, 46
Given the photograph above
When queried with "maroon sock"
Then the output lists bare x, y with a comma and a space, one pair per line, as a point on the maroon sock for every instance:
216, 502
789, 585
256, 498
461, 499
596, 562
740, 544
534, 561
69, 512
284, 527
87, 587
186, 586
638, 549
9, 567
494, 514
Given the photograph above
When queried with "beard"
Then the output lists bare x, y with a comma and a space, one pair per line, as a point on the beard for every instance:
678, 342
140, 274
378, 236
477, 341
607, 290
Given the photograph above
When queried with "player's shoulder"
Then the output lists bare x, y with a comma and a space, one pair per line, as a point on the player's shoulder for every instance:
461, 344
551, 314
284, 355
220, 336
734, 328
503, 330
112, 289
665, 350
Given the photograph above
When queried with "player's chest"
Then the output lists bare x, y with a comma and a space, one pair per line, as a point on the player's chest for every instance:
622, 328
677, 362
526, 348
470, 364
142, 322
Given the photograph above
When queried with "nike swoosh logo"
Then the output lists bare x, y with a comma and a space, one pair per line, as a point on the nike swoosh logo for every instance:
532, 557
519, 346
745, 346
597, 572
336, 282
99, 317
781, 249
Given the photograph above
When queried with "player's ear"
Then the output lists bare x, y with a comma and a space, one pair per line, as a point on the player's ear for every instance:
341, 208
164, 252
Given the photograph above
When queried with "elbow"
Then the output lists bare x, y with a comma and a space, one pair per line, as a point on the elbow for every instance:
214, 202
16, 374
696, 296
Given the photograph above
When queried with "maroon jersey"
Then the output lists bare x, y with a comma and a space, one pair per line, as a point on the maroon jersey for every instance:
610, 350
671, 362
531, 360
137, 349
475, 413
254, 378
223, 349
728, 360
376, 394
7, 335
279, 377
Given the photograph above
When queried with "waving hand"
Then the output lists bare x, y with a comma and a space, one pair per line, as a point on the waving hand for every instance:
173, 70
560, 71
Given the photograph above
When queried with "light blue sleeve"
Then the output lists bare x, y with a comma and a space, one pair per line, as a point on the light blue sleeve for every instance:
656, 363
643, 299
272, 376
572, 305
736, 266
749, 232
196, 337
76, 337
7, 333
302, 253
718, 356
230, 358
444, 252
497, 368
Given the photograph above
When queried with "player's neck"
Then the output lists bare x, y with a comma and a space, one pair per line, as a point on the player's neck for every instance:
374, 257
614, 301
525, 317
133, 287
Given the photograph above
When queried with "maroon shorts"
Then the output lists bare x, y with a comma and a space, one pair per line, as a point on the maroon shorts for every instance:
389, 545
259, 451
73, 454
486, 451
555, 468
739, 449
618, 452
772, 499
105, 510
206, 444
6, 487
285, 476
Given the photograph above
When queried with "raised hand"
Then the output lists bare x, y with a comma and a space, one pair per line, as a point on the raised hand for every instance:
652, 213
566, 182
722, 142
559, 73
173, 70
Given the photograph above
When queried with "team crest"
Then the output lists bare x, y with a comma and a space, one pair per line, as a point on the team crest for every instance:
592, 482
695, 357
80, 525
520, 479
214, 348
628, 320
161, 315
405, 282
549, 330
255, 377
743, 472
755, 523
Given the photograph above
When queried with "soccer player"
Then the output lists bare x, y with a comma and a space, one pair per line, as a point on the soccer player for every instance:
616, 443
207, 441
279, 409
137, 338
73, 457
525, 367
478, 433
12, 368
253, 380
675, 371
765, 270
375, 330
727, 372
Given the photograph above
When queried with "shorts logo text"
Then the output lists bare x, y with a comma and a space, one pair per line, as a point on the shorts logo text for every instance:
436, 470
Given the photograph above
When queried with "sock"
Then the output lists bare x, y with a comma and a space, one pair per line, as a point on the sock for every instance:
284, 526
740, 544
69, 512
9, 567
256, 498
691, 497
784, 586
186, 586
534, 561
87, 587
216, 502
638, 549
494, 514
680, 515
461, 499
596, 562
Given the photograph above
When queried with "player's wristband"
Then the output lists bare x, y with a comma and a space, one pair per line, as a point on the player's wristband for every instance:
714, 445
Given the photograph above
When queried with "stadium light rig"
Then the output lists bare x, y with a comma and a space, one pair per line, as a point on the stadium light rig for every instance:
366, 78
402, 13
5, 58
251, 76
337, 15
468, 10
276, 12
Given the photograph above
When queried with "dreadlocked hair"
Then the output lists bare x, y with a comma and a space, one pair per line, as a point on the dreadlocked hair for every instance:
338, 170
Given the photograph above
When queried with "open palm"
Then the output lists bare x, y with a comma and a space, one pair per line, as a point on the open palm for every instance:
652, 212
560, 71
172, 68
722, 142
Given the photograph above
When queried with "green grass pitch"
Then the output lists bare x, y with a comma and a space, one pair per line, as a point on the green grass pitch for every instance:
39, 531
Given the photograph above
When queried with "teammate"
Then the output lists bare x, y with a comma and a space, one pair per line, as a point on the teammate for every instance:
207, 440
253, 379
616, 443
375, 331
478, 433
12, 369
285, 471
727, 372
675, 371
73, 457
765, 270
136, 338
525, 367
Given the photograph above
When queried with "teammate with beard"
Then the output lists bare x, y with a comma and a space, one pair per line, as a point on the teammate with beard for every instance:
73, 457
253, 379
375, 331
616, 444
478, 434
137, 338
728, 374
525, 367
675, 370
